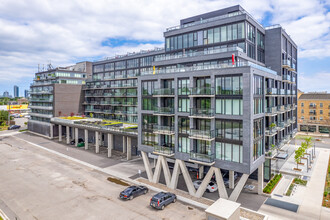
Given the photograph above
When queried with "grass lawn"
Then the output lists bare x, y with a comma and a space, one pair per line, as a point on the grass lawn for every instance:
3, 128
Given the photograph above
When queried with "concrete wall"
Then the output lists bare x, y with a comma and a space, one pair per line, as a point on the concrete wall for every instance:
39, 127
67, 99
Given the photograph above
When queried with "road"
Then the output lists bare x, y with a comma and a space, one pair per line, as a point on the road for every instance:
36, 184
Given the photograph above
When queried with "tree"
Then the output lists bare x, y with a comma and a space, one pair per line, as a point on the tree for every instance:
272, 125
308, 141
298, 154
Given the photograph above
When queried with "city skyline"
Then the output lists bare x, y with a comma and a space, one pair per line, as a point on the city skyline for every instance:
121, 33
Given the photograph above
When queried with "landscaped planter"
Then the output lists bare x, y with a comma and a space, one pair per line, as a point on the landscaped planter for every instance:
297, 169
272, 184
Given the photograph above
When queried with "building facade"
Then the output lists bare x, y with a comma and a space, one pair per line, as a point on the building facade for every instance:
314, 112
222, 94
56, 92
16, 91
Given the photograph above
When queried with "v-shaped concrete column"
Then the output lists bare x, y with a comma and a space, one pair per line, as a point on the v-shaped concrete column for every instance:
221, 185
235, 194
147, 166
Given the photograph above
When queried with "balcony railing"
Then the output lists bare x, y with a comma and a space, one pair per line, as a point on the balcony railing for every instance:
163, 129
270, 131
165, 150
286, 63
202, 134
312, 113
202, 91
280, 108
271, 110
312, 106
163, 92
287, 107
164, 111
271, 91
198, 53
286, 77
202, 113
205, 158
281, 91
41, 99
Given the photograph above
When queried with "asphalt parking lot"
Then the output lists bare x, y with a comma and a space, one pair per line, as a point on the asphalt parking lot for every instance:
36, 184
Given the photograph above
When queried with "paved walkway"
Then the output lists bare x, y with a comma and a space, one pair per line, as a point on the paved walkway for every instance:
309, 198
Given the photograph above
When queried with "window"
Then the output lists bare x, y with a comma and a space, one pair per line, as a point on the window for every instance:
148, 88
223, 34
184, 144
146, 61
229, 152
321, 112
321, 105
302, 104
184, 105
302, 111
258, 125
133, 63
149, 103
321, 118
109, 66
216, 35
231, 130
184, 125
210, 36
120, 65
250, 32
258, 85
258, 105
183, 86
258, 149
98, 68
229, 106
302, 117
231, 85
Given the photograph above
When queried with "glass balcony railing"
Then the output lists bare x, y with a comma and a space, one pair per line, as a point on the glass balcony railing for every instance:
41, 99
280, 125
198, 112
280, 108
168, 149
198, 53
271, 110
205, 158
164, 110
287, 107
286, 77
163, 92
271, 91
270, 131
286, 63
288, 92
281, 91
202, 91
202, 134
163, 129
109, 77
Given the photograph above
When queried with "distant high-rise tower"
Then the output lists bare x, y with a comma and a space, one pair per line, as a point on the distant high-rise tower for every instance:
26, 93
16, 91
5, 94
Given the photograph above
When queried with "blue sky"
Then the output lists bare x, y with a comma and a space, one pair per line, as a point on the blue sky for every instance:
39, 32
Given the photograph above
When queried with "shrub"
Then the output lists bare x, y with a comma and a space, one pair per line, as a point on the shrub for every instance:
271, 184
325, 194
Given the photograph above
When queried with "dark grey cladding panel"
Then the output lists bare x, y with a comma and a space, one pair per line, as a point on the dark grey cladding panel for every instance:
182, 156
145, 148
210, 24
257, 163
228, 165
211, 14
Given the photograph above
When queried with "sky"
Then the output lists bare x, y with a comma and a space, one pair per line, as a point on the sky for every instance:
61, 32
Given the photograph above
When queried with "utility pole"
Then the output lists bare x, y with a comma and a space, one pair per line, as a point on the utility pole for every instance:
9, 114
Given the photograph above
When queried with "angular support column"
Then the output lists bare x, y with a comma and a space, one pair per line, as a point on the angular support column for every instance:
175, 175
220, 183
110, 144
129, 148
60, 133
124, 144
231, 179
97, 144
187, 178
147, 166
166, 171
67, 135
204, 183
260, 179
51, 131
76, 137
237, 191
158, 169
86, 139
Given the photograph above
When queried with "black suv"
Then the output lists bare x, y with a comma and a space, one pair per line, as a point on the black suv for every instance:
133, 191
162, 199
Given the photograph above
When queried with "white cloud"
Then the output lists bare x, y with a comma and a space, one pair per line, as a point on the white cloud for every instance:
36, 31
316, 82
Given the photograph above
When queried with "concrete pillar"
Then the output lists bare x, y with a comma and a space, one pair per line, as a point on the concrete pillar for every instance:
86, 139
175, 175
205, 182
237, 191
260, 179
147, 166
166, 171
187, 178
124, 144
201, 172
72, 135
129, 148
59, 133
67, 135
97, 145
110, 144
231, 179
221, 185
76, 136
51, 131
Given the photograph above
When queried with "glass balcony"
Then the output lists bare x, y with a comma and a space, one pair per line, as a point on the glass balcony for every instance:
280, 108
41, 107
167, 150
271, 91
199, 53
270, 131
281, 91
109, 77
120, 76
286, 78
280, 125
159, 129
164, 111
312, 106
202, 91
286, 63
201, 113
163, 92
41, 99
204, 158
105, 102
287, 107
133, 75
202, 134
271, 110
108, 111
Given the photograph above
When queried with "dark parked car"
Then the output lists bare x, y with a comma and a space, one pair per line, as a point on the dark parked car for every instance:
80, 140
162, 199
14, 127
133, 191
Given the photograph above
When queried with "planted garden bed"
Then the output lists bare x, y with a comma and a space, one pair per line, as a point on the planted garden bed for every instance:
272, 184
326, 194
